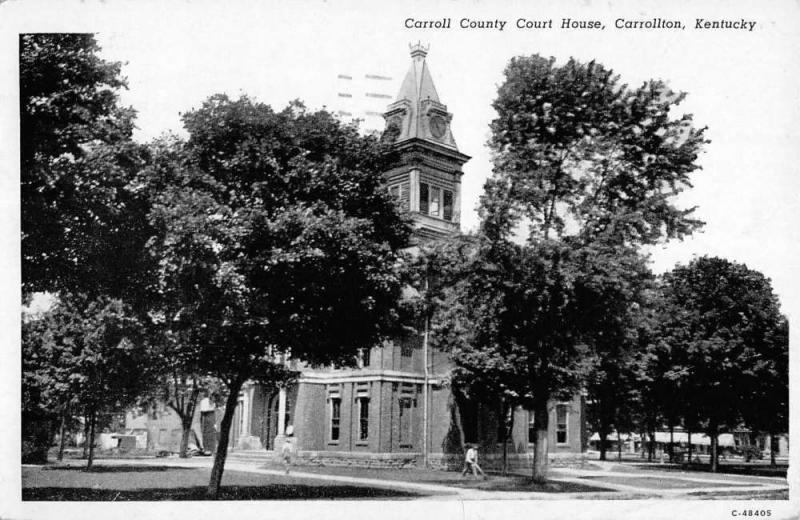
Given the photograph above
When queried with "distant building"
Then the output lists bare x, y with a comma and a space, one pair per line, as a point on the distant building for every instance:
363, 96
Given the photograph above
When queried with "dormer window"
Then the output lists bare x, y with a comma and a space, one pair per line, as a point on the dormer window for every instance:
435, 201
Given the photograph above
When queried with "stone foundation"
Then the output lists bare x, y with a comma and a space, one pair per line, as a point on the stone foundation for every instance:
361, 460
494, 461
248, 442
441, 461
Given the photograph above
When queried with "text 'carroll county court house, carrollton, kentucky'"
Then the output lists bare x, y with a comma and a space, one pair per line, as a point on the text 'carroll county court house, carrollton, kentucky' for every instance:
377, 414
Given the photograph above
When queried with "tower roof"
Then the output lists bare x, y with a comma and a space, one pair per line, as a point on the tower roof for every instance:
418, 84
417, 112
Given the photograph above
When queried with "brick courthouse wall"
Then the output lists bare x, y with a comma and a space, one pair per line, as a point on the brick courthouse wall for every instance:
383, 448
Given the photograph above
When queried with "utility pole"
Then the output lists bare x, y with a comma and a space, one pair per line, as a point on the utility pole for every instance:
425, 378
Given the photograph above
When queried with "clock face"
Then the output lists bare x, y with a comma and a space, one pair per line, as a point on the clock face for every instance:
438, 126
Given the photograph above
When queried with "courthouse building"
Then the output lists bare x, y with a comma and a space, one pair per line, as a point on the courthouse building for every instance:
397, 408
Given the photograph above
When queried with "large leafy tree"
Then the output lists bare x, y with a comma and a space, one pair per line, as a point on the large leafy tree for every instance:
85, 355
767, 409
615, 381
83, 219
585, 168
80, 218
462, 308
45, 390
276, 238
174, 356
725, 320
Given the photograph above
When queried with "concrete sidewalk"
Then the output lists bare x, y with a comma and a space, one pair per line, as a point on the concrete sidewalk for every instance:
438, 491
593, 478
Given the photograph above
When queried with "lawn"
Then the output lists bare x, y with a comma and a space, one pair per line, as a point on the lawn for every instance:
732, 471
132, 482
662, 482
782, 494
451, 478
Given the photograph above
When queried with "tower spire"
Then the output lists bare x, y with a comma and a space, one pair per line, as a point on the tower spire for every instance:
417, 112
426, 178
418, 51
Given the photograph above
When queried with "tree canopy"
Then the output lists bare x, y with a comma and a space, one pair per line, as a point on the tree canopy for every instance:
585, 170
88, 356
275, 236
577, 152
81, 218
723, 321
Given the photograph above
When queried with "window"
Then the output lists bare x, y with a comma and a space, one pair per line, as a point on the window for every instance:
363, 418
447, 212
394, 192
364, 361
561, 424
406, 424
436, 202
336, 415
406, 348
436, 196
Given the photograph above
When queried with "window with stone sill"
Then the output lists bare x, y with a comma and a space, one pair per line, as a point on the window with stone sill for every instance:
406, 423
363, 418
336, 415
562, 413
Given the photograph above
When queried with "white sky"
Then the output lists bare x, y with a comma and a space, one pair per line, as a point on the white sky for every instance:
743, 85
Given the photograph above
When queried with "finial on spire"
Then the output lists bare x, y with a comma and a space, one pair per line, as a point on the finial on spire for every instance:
418, 50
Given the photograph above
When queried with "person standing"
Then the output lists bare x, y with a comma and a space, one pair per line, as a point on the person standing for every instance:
288, 449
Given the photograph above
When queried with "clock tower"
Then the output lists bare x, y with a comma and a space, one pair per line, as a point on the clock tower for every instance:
426, 178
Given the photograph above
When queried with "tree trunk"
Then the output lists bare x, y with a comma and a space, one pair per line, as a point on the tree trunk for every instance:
86, 427
671, 442
643, 442
187, 416
92, 423
508, 428
222, 445
187, 429
689, 434
772, 461
619, 446
61, 432
713, 434
603, 432
503, 416
456, 410
541, 421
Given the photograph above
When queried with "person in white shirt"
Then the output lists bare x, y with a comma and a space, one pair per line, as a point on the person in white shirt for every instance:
288, 449
471, 462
